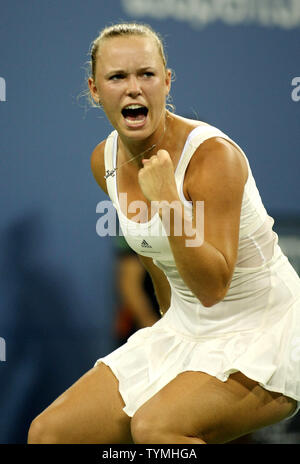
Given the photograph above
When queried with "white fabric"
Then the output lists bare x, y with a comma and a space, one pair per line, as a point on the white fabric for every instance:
255, 329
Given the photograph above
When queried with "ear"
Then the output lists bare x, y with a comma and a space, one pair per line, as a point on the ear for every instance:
93, 90
168, 81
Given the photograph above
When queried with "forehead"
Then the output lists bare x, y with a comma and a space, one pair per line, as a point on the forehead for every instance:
116, 52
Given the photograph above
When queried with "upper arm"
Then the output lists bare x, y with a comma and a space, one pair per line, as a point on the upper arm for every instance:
216, 175
98, 165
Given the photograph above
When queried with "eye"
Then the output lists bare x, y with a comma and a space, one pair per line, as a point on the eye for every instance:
148, 74
116, 77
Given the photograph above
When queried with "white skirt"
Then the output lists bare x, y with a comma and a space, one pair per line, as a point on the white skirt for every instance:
267, 352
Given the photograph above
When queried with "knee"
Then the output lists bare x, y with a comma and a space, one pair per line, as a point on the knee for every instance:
42, 431
146, 429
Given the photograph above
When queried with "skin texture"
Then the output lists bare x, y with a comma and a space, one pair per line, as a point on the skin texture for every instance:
91, 411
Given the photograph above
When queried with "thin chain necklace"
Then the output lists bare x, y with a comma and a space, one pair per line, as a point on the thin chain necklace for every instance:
111, 172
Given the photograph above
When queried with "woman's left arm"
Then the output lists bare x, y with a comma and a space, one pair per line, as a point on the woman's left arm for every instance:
215, 176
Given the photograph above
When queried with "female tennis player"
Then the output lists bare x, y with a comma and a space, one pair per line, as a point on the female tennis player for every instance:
222, 361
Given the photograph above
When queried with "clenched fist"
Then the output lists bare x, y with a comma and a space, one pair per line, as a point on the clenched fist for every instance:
156, 178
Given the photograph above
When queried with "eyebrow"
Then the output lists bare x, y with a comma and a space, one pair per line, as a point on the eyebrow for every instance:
122, 71
115, 71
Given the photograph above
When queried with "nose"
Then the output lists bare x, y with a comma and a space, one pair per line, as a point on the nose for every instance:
133, 88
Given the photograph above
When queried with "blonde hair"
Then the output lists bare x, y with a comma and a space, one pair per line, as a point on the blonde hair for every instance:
122, 30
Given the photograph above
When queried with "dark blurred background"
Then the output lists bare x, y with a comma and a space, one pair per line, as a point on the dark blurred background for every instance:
234, 62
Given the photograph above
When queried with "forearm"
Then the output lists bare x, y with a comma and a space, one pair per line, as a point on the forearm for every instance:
160, 284
202, 267
131, 275
139, 304
163, 295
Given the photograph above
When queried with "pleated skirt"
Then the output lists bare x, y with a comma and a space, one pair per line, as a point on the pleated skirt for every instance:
263, 344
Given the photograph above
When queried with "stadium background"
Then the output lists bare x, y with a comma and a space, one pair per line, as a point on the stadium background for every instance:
236, 65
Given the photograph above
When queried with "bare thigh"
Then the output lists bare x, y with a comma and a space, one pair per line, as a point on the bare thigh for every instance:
90, 411
198, 405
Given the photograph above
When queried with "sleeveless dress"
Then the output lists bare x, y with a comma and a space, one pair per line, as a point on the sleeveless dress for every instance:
255, 329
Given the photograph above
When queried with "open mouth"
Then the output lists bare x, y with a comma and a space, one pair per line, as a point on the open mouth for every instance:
135, 114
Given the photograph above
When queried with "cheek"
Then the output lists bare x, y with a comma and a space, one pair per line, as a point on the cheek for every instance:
108, 91
105, 94
110, 104
159, 91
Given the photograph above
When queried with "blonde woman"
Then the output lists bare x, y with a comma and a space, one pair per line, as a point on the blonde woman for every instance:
220, 362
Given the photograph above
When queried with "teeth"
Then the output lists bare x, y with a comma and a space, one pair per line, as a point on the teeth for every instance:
133, 107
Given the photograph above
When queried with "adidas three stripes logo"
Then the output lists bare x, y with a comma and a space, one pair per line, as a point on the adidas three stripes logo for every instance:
144, 244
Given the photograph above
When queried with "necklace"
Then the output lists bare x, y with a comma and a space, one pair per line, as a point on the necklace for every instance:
111, 172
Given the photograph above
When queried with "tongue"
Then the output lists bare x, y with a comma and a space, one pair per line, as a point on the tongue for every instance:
139, 117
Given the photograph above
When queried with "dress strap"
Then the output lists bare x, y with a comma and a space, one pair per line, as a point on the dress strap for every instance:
110, 163
194, 140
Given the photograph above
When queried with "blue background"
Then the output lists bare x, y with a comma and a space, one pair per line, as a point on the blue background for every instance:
58, 296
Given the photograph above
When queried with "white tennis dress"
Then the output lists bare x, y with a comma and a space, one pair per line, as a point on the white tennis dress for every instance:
254, 330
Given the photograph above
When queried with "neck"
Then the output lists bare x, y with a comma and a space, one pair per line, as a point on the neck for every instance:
139, 149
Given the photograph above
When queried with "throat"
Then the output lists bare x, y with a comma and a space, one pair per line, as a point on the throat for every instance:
137, 151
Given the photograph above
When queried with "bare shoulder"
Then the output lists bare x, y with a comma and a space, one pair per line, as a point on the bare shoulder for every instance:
217, 162
98, 165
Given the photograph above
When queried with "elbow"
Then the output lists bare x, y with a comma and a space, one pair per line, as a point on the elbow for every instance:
215, 287
209, 302
214, 297
217, 292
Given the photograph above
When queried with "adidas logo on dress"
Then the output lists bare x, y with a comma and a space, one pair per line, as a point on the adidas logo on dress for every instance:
144, 244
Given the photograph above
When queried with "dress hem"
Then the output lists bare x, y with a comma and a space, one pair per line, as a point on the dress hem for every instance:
222, 377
